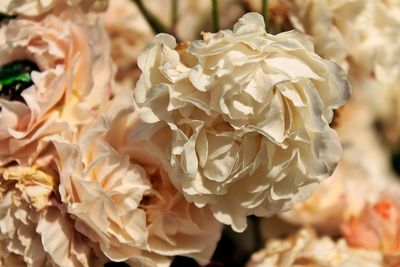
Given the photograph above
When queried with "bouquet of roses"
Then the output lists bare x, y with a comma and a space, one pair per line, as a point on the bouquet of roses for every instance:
126, 138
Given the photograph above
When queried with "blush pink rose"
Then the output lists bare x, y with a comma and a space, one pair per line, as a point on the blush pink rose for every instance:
71, 52
377, 228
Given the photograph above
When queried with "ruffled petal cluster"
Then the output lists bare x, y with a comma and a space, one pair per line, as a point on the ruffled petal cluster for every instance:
248, 115
359, 201
119, 190
354, 33
306, 249
34, 228
355, 182
71, 52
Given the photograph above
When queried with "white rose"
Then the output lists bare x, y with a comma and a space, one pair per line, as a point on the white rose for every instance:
249, 117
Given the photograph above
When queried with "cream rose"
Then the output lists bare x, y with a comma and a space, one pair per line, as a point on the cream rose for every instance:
72, 80
35, 230
249, 117
38, 7
143, 218
306, 249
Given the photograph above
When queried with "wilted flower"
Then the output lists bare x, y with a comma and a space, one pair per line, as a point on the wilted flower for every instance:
71, 79
38, 7
144, 219
306, 249
249, 117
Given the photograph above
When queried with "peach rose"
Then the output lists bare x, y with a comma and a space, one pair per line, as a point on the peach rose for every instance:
37, 7
35, 230
144, 219
71, 82
376, 228
249, 117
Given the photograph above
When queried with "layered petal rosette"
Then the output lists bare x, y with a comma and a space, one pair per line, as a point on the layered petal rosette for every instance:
120, 192
38, 7
248, 114
71, 79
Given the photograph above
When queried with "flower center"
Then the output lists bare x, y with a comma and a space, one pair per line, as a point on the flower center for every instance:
15, 77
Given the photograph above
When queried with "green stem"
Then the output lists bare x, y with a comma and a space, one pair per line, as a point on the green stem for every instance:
264, 12
215, 15
154, 23
174, 14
